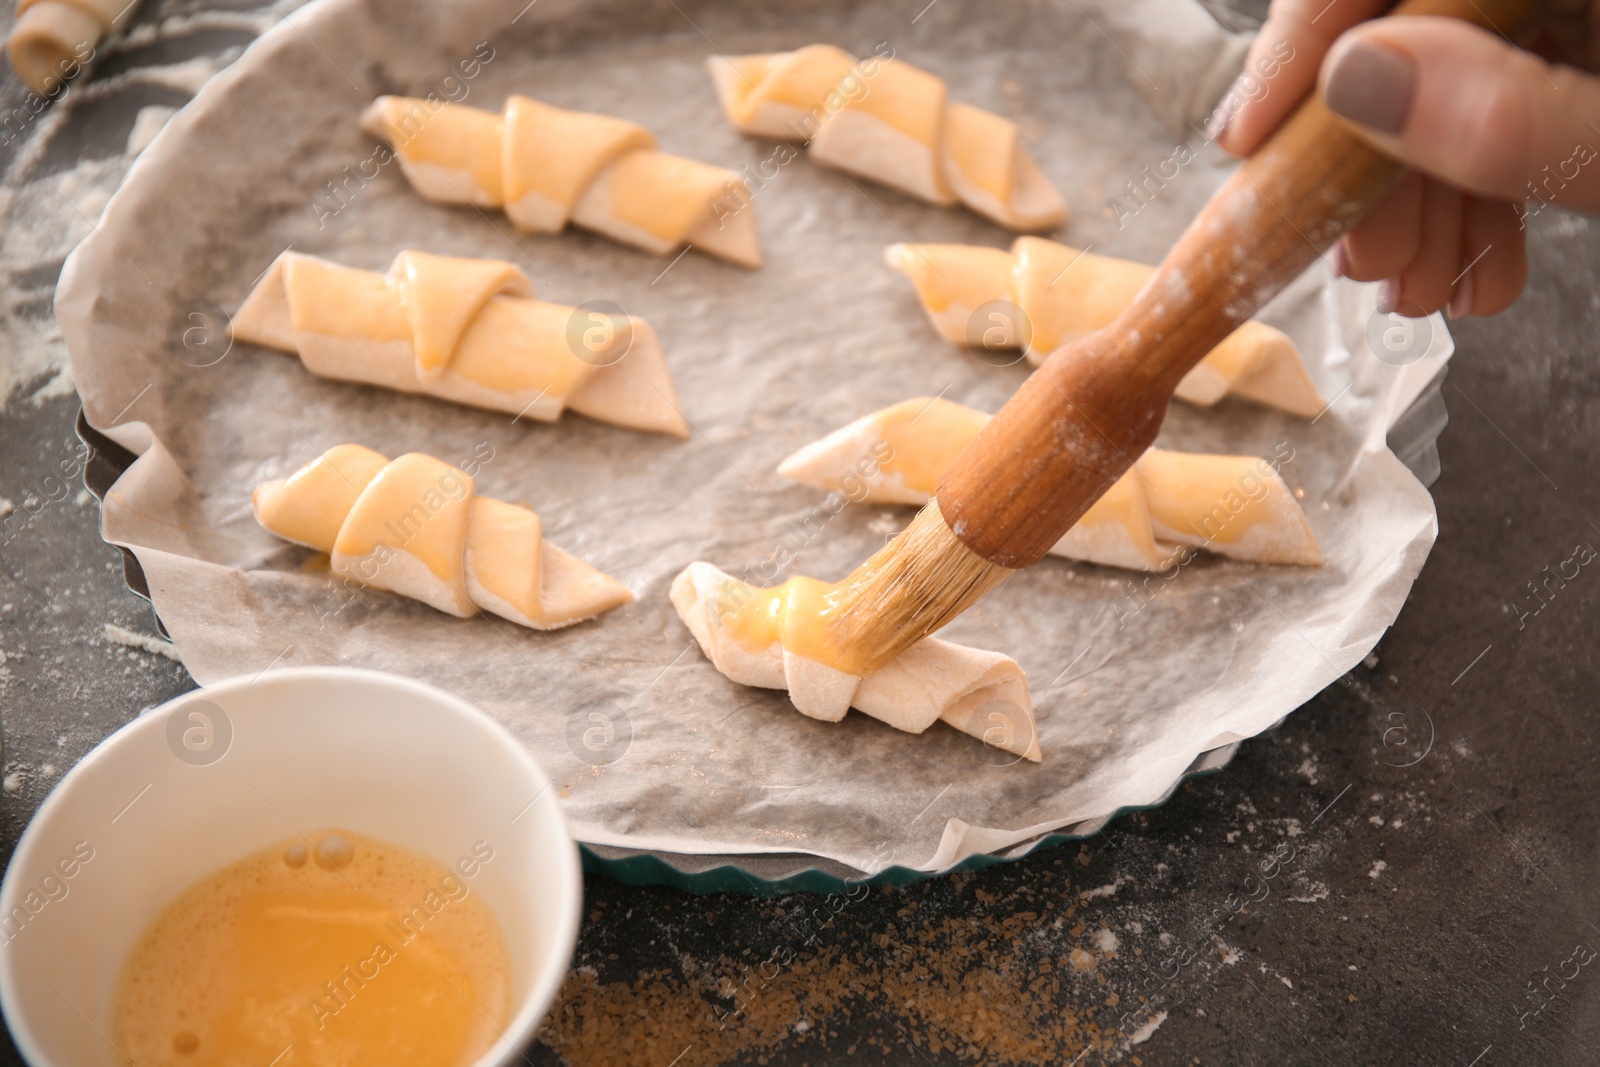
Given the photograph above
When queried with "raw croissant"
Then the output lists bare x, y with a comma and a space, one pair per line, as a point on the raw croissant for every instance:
414, 527
52, 39
467, 330
1235, 506
1042, 294
980, 693
889, 121
547, 166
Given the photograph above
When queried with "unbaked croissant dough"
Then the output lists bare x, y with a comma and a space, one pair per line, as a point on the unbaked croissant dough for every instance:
889, 121
1235, 506
1042, 294
413, 526
52, 39
547, 166
467, 330
980, 693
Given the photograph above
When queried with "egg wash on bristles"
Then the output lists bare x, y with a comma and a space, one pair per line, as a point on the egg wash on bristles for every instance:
908, 589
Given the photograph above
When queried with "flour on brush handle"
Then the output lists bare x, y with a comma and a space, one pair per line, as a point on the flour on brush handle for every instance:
1095, 405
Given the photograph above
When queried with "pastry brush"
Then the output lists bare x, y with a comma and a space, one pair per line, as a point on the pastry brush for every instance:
1094, 406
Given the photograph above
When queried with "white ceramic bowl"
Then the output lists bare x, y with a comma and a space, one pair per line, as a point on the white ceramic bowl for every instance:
225, 771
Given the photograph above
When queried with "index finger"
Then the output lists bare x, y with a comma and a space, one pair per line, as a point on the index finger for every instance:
1281, 67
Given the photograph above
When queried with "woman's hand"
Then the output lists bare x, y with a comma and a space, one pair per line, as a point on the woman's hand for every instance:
1486, 125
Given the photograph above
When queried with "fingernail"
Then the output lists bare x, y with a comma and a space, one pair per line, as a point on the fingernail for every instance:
1460, 305
1339, 260
1371, 84
1217, 124
1388, 296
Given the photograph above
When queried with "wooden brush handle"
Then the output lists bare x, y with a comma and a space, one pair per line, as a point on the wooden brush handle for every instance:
1092, 408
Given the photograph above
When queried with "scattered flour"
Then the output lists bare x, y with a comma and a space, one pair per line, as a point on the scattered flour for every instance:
147, 642
1104, 890
60, 385
43, 220
886, 524
44, 216
1147, 1031
1318, 892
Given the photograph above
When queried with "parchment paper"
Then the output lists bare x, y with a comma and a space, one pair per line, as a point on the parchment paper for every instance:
650, 747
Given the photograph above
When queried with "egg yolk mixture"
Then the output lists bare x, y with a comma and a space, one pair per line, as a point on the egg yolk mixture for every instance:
327, 949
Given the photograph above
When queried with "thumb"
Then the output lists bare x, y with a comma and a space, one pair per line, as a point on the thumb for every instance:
1464, 105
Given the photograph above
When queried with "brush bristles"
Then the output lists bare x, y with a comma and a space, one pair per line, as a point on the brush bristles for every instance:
910, 588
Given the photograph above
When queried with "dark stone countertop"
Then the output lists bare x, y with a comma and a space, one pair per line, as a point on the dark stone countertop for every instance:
1408, 911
